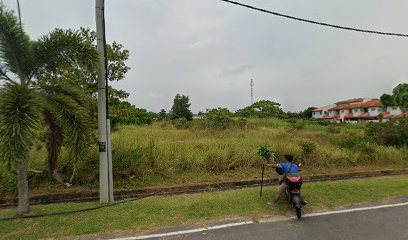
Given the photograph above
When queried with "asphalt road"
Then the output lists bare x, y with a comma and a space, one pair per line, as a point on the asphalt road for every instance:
376, 224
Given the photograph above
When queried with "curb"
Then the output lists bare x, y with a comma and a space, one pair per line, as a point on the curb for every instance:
186, 189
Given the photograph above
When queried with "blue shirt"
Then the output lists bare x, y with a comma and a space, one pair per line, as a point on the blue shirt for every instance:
285, 166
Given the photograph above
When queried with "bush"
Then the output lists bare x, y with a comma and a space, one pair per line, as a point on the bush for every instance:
298, 125
392, 133
349, 140
292, 120
241, 123
321, 122
219, 118
8, 183
181, 123
307, 148
333, 130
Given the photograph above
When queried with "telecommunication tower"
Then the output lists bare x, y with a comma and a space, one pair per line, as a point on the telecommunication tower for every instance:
252, 91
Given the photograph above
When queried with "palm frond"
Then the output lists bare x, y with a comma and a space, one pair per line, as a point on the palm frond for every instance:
20, 117
73, 118
65, 48
15, 46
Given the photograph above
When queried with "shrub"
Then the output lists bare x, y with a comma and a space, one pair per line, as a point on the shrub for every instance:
349, 140
392, 133
266, 154
321, 122
181, 123
292, 120
298, 125
241, 123
365, 147
8, 183
307, 148
333, 130
219, 118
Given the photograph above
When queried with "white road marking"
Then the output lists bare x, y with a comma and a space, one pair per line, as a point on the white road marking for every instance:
158, 235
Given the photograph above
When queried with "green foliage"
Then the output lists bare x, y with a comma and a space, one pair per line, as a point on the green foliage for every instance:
356, 142
68, 108
123, 112
349, 140
400, 95
219, 118
23, 104
8, 183
267, 154
76, 74
298, 125
20, 117
162, 114
241, 123
200, 155
261, 109
391, 133
16, 49
307, 148
181, 123
321, 122
308, 113
387, 100
334, 130
180, 108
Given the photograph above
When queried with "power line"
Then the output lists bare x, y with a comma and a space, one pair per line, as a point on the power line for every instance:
316, 22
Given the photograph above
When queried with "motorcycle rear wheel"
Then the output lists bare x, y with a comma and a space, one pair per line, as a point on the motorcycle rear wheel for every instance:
298, 212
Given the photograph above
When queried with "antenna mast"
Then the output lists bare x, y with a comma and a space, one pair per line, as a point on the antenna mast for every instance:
252, 91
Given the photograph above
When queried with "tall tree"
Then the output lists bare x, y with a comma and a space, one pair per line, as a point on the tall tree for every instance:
398, 98
308, 112
387, 100
26, 102
400, 94
87, 78
65, 72
162, 114
181, 108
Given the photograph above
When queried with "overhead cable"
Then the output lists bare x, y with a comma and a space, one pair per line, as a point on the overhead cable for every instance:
316, 22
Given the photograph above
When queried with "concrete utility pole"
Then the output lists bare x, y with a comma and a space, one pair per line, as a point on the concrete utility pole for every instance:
105, 163
19, 13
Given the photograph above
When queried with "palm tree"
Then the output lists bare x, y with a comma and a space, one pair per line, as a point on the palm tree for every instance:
26, 104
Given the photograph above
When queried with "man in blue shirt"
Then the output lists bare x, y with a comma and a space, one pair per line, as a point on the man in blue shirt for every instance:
283, 169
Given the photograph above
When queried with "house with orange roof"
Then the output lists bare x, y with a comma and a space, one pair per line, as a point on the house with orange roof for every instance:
358, 110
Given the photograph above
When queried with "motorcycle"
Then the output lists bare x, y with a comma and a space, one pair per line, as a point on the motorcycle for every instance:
294, 198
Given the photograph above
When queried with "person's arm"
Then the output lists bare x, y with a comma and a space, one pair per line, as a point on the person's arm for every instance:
271, 165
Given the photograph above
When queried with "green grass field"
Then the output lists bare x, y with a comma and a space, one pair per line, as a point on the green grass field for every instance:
153, 213
160, 154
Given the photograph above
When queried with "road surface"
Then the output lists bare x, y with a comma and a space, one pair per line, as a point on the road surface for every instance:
374, 224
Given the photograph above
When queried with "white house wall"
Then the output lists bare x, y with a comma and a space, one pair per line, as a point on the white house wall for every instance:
394, 110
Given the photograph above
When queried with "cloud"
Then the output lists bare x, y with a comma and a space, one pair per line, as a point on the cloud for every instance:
236, 71
152, 95
201, 43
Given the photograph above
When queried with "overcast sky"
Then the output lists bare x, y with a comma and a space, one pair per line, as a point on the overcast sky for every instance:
209, 50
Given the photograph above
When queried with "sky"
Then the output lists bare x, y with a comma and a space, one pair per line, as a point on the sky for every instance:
209, 50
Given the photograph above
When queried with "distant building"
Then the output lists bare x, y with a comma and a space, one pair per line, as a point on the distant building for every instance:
358, 110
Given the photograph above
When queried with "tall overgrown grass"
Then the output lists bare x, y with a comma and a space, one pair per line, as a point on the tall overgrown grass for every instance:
153, 154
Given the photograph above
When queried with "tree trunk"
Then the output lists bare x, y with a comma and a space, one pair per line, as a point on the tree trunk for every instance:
23, 201
54, 145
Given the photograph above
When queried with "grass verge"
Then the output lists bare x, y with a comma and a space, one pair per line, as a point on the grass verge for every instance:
153, 213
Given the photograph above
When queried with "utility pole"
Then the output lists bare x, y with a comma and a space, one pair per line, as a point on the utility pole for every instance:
105, 155
252, 91
19, 13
